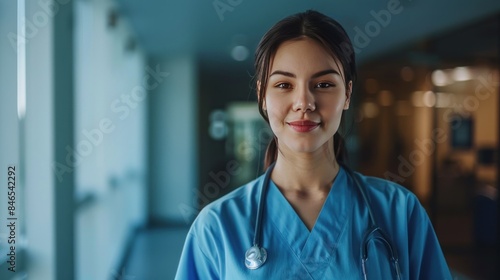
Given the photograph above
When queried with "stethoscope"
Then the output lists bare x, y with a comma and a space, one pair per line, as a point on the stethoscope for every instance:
256, 256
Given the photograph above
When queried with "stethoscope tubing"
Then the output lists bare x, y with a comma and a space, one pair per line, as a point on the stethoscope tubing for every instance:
260, 210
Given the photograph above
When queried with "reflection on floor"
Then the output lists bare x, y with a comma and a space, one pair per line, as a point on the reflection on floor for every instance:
155, 254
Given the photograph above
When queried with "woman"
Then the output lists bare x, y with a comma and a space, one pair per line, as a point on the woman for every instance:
314, 220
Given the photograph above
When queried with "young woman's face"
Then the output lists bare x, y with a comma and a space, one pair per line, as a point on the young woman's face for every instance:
305, 96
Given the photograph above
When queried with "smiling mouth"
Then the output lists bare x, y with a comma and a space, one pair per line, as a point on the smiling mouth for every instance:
303, 126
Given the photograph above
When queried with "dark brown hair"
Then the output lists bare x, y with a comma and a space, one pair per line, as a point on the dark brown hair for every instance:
331, 35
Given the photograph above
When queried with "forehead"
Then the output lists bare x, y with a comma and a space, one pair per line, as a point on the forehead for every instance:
304, 56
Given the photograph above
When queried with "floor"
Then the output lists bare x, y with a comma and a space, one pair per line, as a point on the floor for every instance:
456, 235
156, 253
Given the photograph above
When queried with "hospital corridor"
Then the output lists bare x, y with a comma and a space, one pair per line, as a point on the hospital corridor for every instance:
121, 120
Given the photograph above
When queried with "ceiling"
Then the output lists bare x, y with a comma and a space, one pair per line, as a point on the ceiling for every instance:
212, 28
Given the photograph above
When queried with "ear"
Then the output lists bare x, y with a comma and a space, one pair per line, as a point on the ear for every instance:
348, 93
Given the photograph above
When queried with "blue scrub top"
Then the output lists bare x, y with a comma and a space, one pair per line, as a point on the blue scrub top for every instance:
219, 237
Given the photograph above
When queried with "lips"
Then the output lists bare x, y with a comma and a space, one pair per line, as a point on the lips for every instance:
303, 125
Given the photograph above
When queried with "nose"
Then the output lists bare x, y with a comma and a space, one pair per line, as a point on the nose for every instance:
304, 100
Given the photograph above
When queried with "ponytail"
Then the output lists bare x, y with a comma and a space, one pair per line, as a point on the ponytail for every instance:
339, 147
271, 153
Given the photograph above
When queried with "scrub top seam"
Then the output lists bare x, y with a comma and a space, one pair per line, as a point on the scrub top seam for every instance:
335, 245
290, 248
293, 215
334, 242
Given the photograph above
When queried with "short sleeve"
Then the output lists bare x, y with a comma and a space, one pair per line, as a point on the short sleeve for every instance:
426, 257
194, 263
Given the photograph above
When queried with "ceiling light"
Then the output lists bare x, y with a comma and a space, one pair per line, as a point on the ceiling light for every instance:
439, 78
370, 110
462, 74
239, 53
429, 99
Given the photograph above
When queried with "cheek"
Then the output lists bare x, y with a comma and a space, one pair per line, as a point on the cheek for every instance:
276, 110
275, 119
333, 108
340, 107
332, 117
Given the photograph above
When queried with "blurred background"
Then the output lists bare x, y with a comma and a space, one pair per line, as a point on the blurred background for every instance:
124, 118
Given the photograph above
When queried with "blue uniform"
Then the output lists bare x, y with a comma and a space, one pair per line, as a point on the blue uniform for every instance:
219, 237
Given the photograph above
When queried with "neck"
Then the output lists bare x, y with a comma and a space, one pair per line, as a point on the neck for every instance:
305, 172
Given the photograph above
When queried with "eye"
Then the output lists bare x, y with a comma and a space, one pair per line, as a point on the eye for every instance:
283, 86
324, 85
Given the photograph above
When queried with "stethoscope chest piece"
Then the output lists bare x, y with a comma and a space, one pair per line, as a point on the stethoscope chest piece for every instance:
255, 257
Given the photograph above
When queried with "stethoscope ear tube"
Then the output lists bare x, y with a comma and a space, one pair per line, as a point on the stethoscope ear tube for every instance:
384, 239
371, 234
256, 255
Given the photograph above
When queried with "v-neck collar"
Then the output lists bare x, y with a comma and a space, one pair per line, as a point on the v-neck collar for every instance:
316, 247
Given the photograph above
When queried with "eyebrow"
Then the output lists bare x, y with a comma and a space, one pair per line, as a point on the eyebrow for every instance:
316, 75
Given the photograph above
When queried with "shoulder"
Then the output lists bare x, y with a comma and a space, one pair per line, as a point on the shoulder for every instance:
387, 192
242, 196
234, 205
395, 207
399, 213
